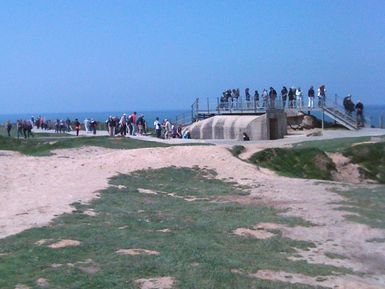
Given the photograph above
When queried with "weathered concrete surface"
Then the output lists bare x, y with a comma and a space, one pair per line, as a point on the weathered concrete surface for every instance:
232, 127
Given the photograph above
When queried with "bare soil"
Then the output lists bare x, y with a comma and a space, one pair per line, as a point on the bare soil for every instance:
134, 252
156, 283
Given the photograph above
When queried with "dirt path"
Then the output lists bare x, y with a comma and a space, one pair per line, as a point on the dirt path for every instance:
33, 190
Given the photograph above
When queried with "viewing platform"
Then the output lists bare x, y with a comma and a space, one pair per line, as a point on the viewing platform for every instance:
202, 109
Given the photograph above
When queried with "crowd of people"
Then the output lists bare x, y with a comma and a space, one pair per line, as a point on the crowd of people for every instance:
292, 97
135, 124
23, 128
132, 125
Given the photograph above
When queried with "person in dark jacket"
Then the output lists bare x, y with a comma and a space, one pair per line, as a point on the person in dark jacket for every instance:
256, 98
9, 127
284, 96
360, 114
310, 95
291, 97
348, 104
272, 97
77, 126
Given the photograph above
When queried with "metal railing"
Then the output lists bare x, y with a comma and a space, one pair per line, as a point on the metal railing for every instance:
206, 107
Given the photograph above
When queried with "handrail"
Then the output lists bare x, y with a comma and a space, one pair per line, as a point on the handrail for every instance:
203, 109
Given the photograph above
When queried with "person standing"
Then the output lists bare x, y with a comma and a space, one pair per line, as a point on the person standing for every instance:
247, 97
298, 94
68, 125
360, 114
28, 125
167, 128
111, 124
264, 97
8, 125
348, 104
133, 128
291, 97
272, 97
93, 125
321, 95
19, 127
284, 96
123, 125
77, 126
157, 127
256, 98
140, 124
87, 125
310, 96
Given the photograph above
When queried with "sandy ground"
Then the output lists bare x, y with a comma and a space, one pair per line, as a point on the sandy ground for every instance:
33, 190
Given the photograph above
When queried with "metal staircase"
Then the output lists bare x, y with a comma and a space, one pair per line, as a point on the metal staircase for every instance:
341, 117
337, 112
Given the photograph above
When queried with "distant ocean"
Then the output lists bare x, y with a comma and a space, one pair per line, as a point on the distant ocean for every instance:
149, 116
372, 114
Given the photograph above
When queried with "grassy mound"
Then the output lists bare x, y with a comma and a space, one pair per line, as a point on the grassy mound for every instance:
310, 163
332, 145
200, 249
237, 150
42, 146
371, 157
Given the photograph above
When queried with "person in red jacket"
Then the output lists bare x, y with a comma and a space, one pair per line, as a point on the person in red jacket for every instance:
77, 126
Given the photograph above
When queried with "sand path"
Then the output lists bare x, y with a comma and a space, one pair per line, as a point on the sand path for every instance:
33, 190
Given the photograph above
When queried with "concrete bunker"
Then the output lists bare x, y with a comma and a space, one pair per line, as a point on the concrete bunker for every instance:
271, 125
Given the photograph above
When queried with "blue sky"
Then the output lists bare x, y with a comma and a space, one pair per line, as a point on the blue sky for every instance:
69, 56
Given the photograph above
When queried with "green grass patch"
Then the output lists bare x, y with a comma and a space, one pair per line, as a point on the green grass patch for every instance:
237, 150
368, 203
3, 132
371, 157
200, 251
42, 146
332, 145
334, 255
294, 162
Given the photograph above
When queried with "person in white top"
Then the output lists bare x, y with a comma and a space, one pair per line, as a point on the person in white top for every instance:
167, 127
321, 95
298, 95
158, 127
87, 125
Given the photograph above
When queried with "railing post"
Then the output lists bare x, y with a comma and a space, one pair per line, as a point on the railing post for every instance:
208, 106
381, 124
323, 112
192, 113
218, 104
197, 104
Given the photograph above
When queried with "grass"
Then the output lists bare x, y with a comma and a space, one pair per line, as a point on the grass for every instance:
310, 163
332, 145
42, 146
368, 203
200, 251
334, 255
371, 157
309, 159
237, 150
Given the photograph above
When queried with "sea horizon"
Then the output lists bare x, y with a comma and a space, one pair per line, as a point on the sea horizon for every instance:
149, 115
371, 112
